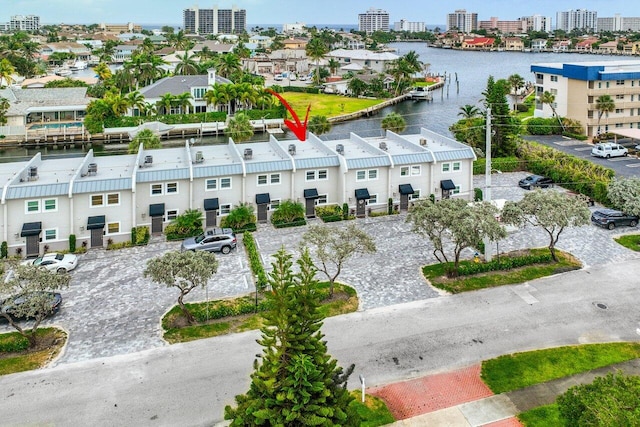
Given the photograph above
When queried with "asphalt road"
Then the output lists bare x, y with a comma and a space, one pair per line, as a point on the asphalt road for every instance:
189, 384
623, 166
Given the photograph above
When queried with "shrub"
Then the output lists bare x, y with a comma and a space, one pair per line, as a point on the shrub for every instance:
113, 246
477, 195
503, 263
13, 343
255, 262
543, 126
140, 235
241, 218
4, 250
503, 164
288, 214
187, 224
390, 206
72, 243
522, 108
345, 211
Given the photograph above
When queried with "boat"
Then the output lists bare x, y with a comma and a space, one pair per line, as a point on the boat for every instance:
63, 72
420, 93
78, 65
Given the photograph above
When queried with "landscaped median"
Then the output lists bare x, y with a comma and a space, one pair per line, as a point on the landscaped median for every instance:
17, 356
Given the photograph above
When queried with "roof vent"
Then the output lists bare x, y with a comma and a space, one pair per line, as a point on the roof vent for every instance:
199, 157
292, 149
33, 173
148, 161
92, 168
248, 153
340, 149
423, 141
383, 145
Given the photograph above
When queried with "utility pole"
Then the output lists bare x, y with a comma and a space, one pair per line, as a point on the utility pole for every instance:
487, 180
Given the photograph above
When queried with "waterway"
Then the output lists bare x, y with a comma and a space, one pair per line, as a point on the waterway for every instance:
467, 74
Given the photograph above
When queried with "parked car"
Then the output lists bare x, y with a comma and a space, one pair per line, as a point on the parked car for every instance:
533, 181
10, 304
278, 77
610, 218
637, 147
609, 149
60, 263
212, 240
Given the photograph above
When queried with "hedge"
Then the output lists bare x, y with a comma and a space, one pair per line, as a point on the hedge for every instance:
255, 262
295, 223
504, 263
503, 164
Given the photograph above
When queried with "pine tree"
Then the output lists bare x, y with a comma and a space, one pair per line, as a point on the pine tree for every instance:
297, 383
505, 127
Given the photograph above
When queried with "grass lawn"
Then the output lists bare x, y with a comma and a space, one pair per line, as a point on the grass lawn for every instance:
436, 275
631, 241
542, 416
326, 105
373, 412
238, 314
15, 356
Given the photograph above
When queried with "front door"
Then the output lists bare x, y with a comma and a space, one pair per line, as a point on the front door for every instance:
360, 208
156, 224
96, 237
211, 218
310, 208
262, 212
33, 245
404, 202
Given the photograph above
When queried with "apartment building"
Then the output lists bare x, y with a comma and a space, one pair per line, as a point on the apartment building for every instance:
409, 26
537, 23
101, 198
576, 87
619, 23
462, 21
214, 21
578, 19
129, 27
504, 27
24, 23
373, 20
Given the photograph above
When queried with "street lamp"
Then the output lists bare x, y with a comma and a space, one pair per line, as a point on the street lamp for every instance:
487, 180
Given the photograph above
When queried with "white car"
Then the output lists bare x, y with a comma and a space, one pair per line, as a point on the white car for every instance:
609, 149
60, 263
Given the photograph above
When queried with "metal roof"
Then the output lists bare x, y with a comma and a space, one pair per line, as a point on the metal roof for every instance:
413, 158
162, 175
368, 162
448, 155
270, 166
217, 170
94, 186
317, 162
30, 191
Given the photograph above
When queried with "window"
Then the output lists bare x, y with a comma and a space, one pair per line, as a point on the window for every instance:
225, 183
619, 110
456, 166
554, 78
456, 190
211, 184
274, 204
361, 175
446, 167
416, 170
172, 187
51, 234
404, 171
262, 179
553, 91
622, 97
32, 206
373, 199
619, 82
113, 227
172, 214
156, 189
225, 209
50, 205
274, 178
322, 199
323, 174
113, 199
373, 174
311, 176
97, 200
415, 195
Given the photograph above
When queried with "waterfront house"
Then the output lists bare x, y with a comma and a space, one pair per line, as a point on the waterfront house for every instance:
79, 50
609, 48
586, 45
578, 85
513, 44
99, 199
478, 43
538, 45
369, 60
123, 52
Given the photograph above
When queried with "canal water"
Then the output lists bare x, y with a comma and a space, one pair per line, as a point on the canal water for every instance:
467, 73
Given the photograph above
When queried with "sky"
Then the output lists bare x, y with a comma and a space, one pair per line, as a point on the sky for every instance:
308, 12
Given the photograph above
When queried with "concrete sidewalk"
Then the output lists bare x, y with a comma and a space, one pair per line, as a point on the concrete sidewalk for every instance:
460, 398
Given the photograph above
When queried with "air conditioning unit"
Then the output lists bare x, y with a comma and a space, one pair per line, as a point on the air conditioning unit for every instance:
148, 160
248, 153
340, 149
92, 168
292, 149
383, 145
423, 141
199, 157
33, 173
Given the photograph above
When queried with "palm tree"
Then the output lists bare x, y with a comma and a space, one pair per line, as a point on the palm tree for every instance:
604, 104
412, 61
356, 86
166, 102
239, 128
149, 109
211, 98
228, 64
394, 122
4, 106
319, 125
469, 111
246, 94
516, 82
550, 99
264, 99
183, 101
180, 41
135, 100
401, 70
103, 71
118, 103
187, 65
6, 72
333, 65
316, 49
225, 93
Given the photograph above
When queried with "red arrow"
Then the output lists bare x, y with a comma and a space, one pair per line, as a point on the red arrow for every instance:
299, 129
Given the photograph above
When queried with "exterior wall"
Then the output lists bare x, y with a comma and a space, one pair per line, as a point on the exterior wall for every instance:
328, 187
117, 213
225, 196
51, 220
280, 191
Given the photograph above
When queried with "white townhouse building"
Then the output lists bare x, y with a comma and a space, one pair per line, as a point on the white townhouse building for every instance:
100, 198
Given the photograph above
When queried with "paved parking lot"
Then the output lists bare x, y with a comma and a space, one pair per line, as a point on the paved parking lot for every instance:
111, 309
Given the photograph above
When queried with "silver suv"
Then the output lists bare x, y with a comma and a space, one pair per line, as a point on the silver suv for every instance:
212, 240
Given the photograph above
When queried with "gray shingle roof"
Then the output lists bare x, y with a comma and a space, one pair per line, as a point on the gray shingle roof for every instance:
20, 100
177, 85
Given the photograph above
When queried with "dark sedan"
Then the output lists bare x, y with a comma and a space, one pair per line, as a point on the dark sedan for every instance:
610, 218
533, 181
27, 304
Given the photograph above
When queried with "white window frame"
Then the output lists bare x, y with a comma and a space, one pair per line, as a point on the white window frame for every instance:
363, 172
455, 166
455, 190
49, 230
92, 205
374, 172
262, 180
275, 179
171, 214
446, 167
26, 206
273, 205
225, 208
322, 199
157, 186
405, 170
209, 181
310, 175
416, 194
373, 199
324, 172
112, 194
112, 223
416, 170
222, 183
167, 186
44, 205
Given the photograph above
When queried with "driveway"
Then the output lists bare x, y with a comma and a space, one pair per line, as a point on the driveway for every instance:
110, 309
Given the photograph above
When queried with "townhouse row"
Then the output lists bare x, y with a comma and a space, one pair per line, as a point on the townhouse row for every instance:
100, 198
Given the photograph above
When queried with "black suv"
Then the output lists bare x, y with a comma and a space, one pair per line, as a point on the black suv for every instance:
212, 240
610, 218
535, 181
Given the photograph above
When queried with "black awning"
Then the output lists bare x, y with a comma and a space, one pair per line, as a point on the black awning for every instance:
31, 229
447, 184
95, 222
311, 193
156, 210
362, 194
211, 204
405, 189
263, 199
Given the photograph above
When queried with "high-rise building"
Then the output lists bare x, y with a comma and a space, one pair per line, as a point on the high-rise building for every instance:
24, 23
214, 21
579, 19
538, 23
505, 27
619, 23
412, 27
373, 20
462, 21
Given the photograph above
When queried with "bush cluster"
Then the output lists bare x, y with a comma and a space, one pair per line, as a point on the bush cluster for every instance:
240, 219
504, 263
333, 213
140, 235
288, 214
255, 262
302, 89
223, 309
13, 343
503, 164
